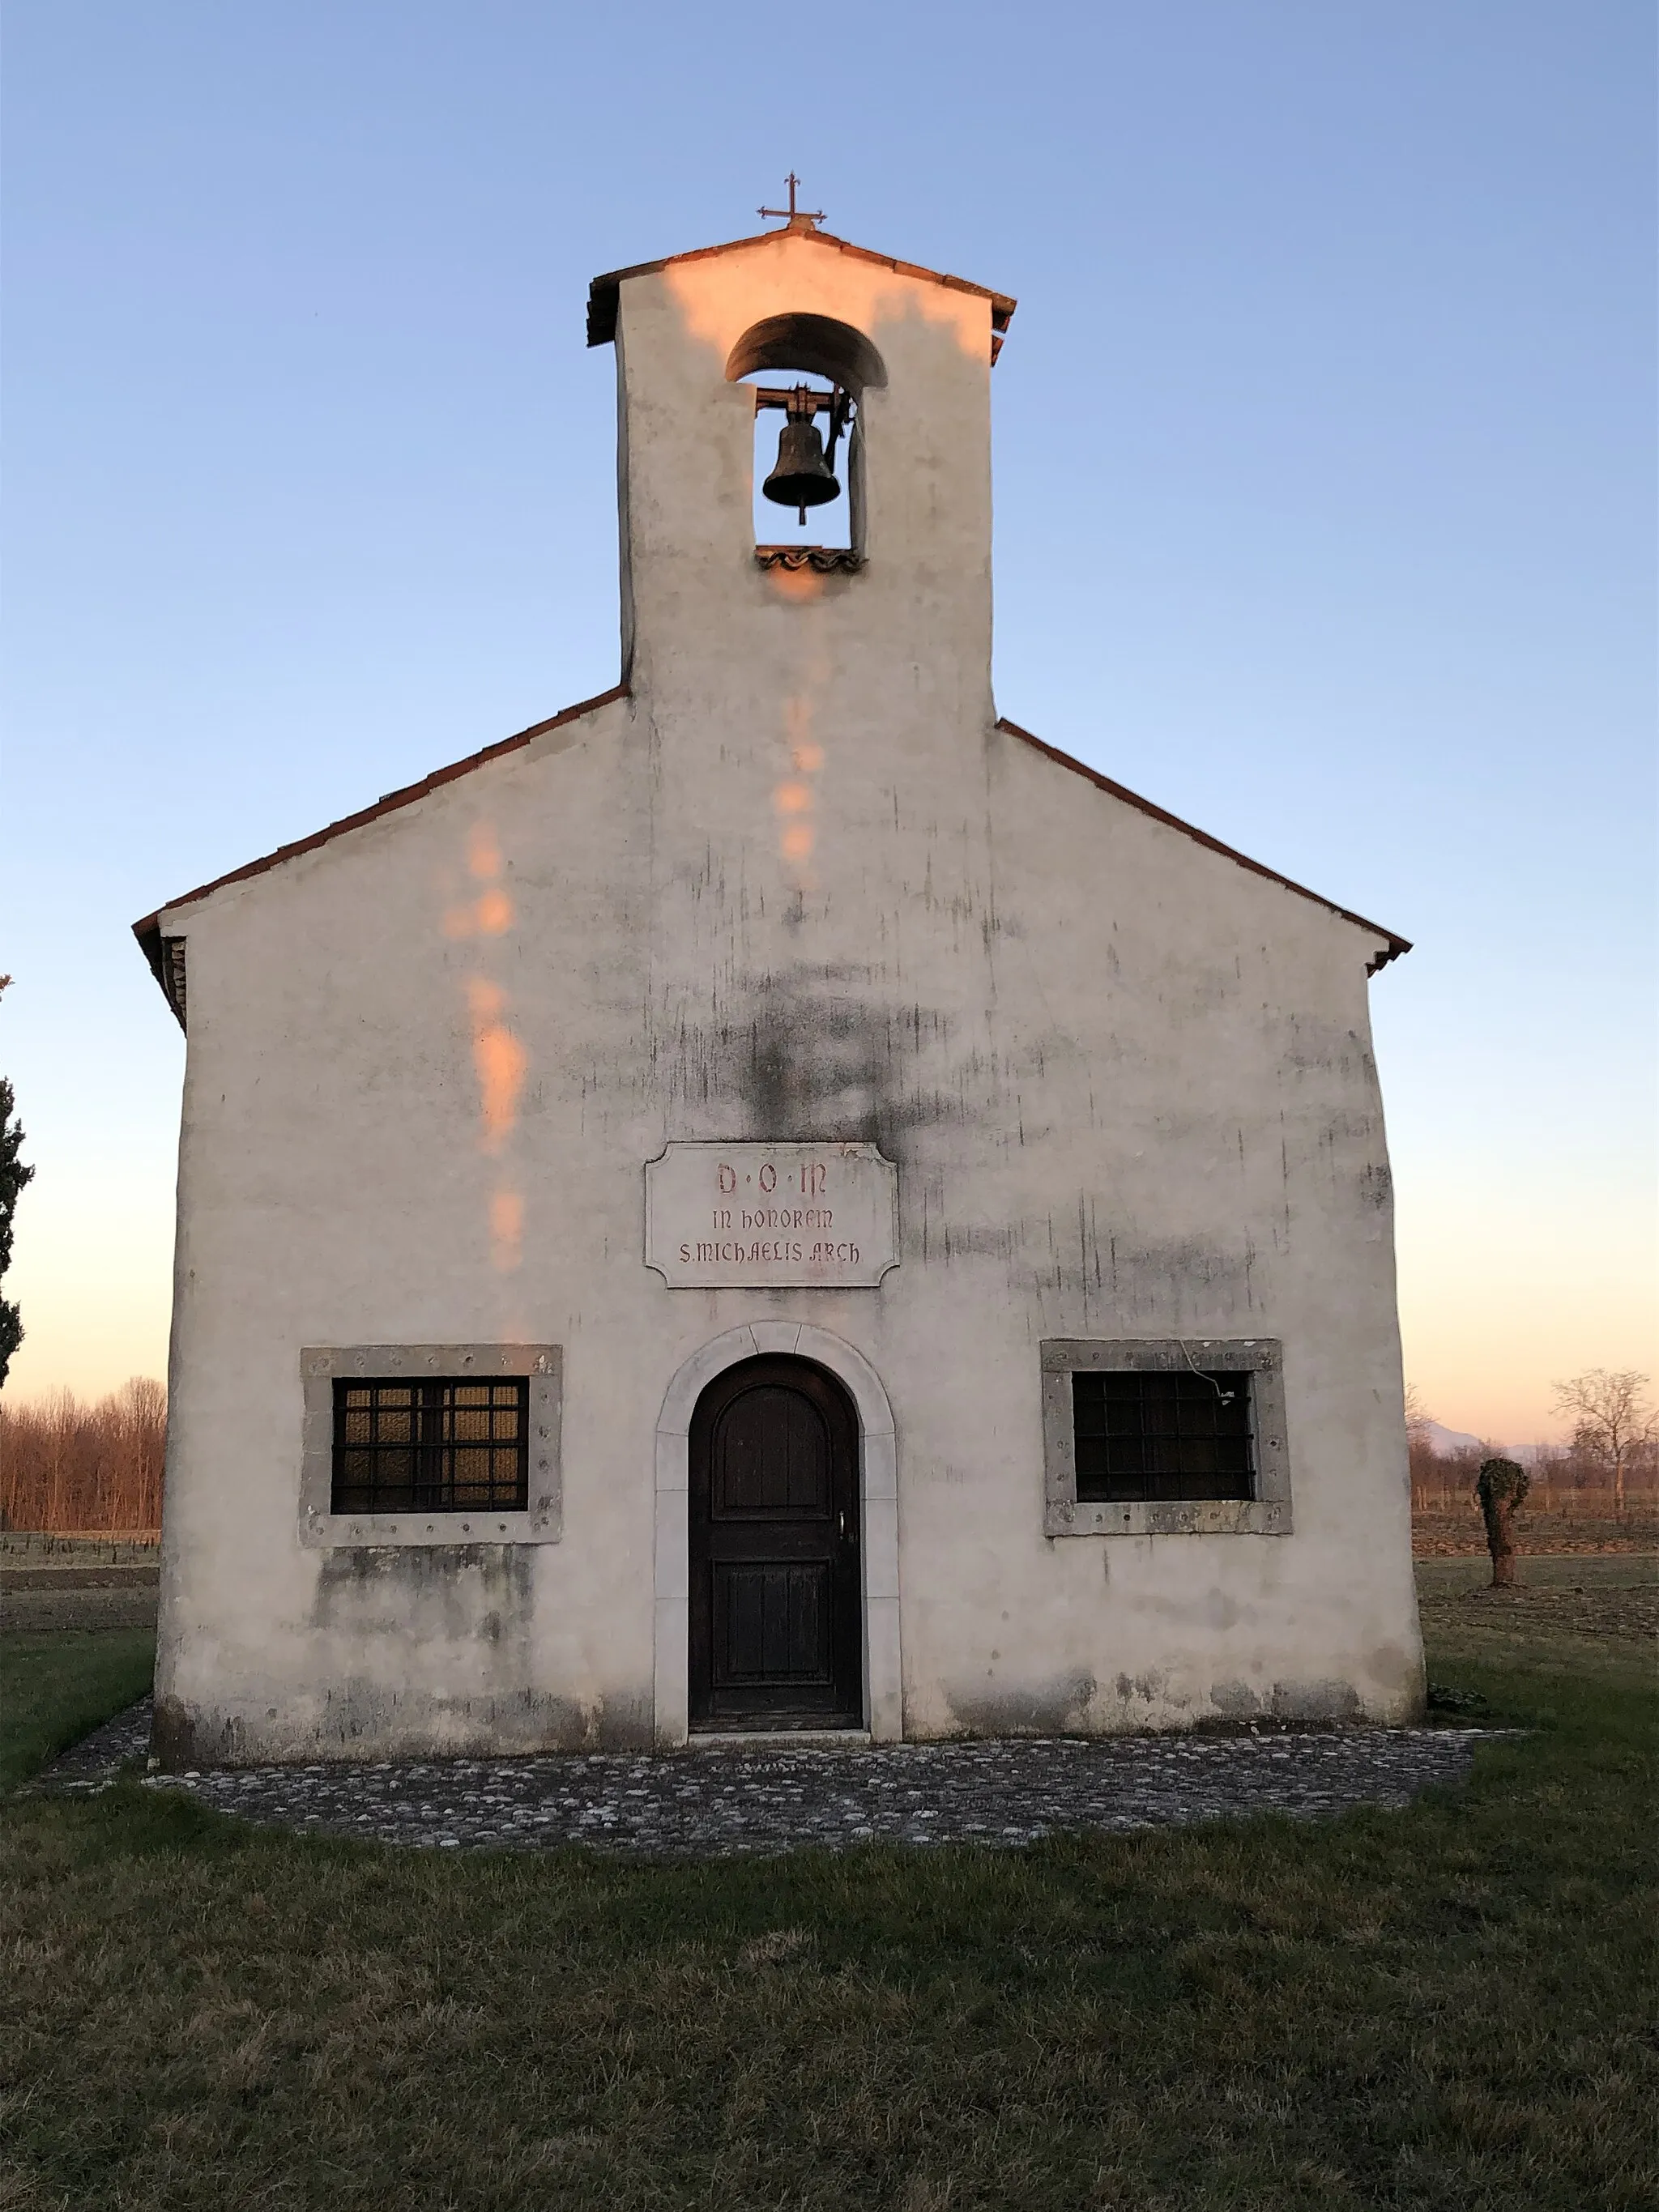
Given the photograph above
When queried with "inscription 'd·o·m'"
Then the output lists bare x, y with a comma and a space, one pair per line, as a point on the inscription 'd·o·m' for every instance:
821, 1215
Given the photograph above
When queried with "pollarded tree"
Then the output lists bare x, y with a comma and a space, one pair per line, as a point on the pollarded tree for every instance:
1612, 1419
13, 1177
1501, 1486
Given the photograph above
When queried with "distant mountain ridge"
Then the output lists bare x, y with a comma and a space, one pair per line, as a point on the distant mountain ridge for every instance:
1445, 1441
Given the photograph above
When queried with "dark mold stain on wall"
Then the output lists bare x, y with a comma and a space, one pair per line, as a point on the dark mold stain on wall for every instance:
364, 1719
1325, 1701
361, 1719
445, 1593
804, 1049
477, 1599
1051, 1707
182, 1736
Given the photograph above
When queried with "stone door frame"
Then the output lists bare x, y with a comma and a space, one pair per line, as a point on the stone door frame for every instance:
883, 1695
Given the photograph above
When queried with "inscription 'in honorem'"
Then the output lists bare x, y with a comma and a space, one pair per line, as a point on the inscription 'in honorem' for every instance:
825, 1215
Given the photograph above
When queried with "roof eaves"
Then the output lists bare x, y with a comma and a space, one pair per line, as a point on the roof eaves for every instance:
602, 293
168, 969
1396, 944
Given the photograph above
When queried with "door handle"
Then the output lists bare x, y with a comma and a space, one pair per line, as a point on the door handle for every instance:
840, 1527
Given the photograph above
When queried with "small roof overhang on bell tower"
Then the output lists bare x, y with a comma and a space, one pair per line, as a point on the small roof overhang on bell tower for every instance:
603, 292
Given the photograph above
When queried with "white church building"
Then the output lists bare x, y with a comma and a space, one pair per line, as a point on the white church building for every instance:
774, 1200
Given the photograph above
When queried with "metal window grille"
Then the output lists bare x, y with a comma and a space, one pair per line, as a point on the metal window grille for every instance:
448, 1446
1162, 1438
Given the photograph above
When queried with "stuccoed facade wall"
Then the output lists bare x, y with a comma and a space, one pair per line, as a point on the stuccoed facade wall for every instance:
1128, 1082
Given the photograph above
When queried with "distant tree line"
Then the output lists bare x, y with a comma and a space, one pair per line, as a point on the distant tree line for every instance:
70, 1466
1609, 1468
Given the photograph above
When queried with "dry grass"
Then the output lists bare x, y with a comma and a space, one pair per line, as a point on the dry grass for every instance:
1441, 2008
1587, 1526
1564, 1614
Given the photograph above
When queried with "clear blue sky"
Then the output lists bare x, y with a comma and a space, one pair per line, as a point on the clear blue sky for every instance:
1325, 469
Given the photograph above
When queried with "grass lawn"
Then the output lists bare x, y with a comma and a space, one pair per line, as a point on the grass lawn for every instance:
1443, 2007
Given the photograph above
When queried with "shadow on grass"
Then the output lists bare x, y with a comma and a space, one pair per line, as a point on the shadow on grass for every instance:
59, 1685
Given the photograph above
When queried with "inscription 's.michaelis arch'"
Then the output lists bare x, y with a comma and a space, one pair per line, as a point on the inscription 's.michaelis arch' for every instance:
813, 1216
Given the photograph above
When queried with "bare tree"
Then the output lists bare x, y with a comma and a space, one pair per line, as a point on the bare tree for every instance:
1419, 1446
1612, 1419
72, 1468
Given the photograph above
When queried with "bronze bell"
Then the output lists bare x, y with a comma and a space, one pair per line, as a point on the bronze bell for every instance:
802, 477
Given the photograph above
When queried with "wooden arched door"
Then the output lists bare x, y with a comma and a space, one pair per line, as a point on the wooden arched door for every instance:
776, 1626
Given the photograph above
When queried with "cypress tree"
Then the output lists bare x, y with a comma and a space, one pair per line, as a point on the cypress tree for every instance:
13, 1177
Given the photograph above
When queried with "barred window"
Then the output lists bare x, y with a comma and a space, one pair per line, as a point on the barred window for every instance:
1163, 1437
451, 1445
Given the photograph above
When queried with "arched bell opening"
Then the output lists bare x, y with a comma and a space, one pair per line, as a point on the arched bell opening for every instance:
809, 374
833, 352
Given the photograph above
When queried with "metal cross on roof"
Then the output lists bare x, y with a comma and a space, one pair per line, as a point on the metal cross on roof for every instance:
793, 215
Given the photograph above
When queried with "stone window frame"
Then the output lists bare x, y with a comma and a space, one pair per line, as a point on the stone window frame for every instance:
1262, 1357
322, 1366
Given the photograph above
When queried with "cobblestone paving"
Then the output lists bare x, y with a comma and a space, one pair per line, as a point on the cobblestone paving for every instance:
710, 1803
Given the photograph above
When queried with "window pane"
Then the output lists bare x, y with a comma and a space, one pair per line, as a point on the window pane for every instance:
1168, 1437
434, 1447
1093, 1414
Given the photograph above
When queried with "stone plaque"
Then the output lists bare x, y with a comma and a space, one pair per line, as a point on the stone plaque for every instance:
819, 1216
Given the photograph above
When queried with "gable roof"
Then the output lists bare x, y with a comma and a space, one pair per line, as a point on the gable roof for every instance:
168, 969
165, 954
602, 300
1396, 945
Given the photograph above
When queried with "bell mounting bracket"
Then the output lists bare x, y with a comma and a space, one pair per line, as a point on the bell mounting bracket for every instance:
800, 402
